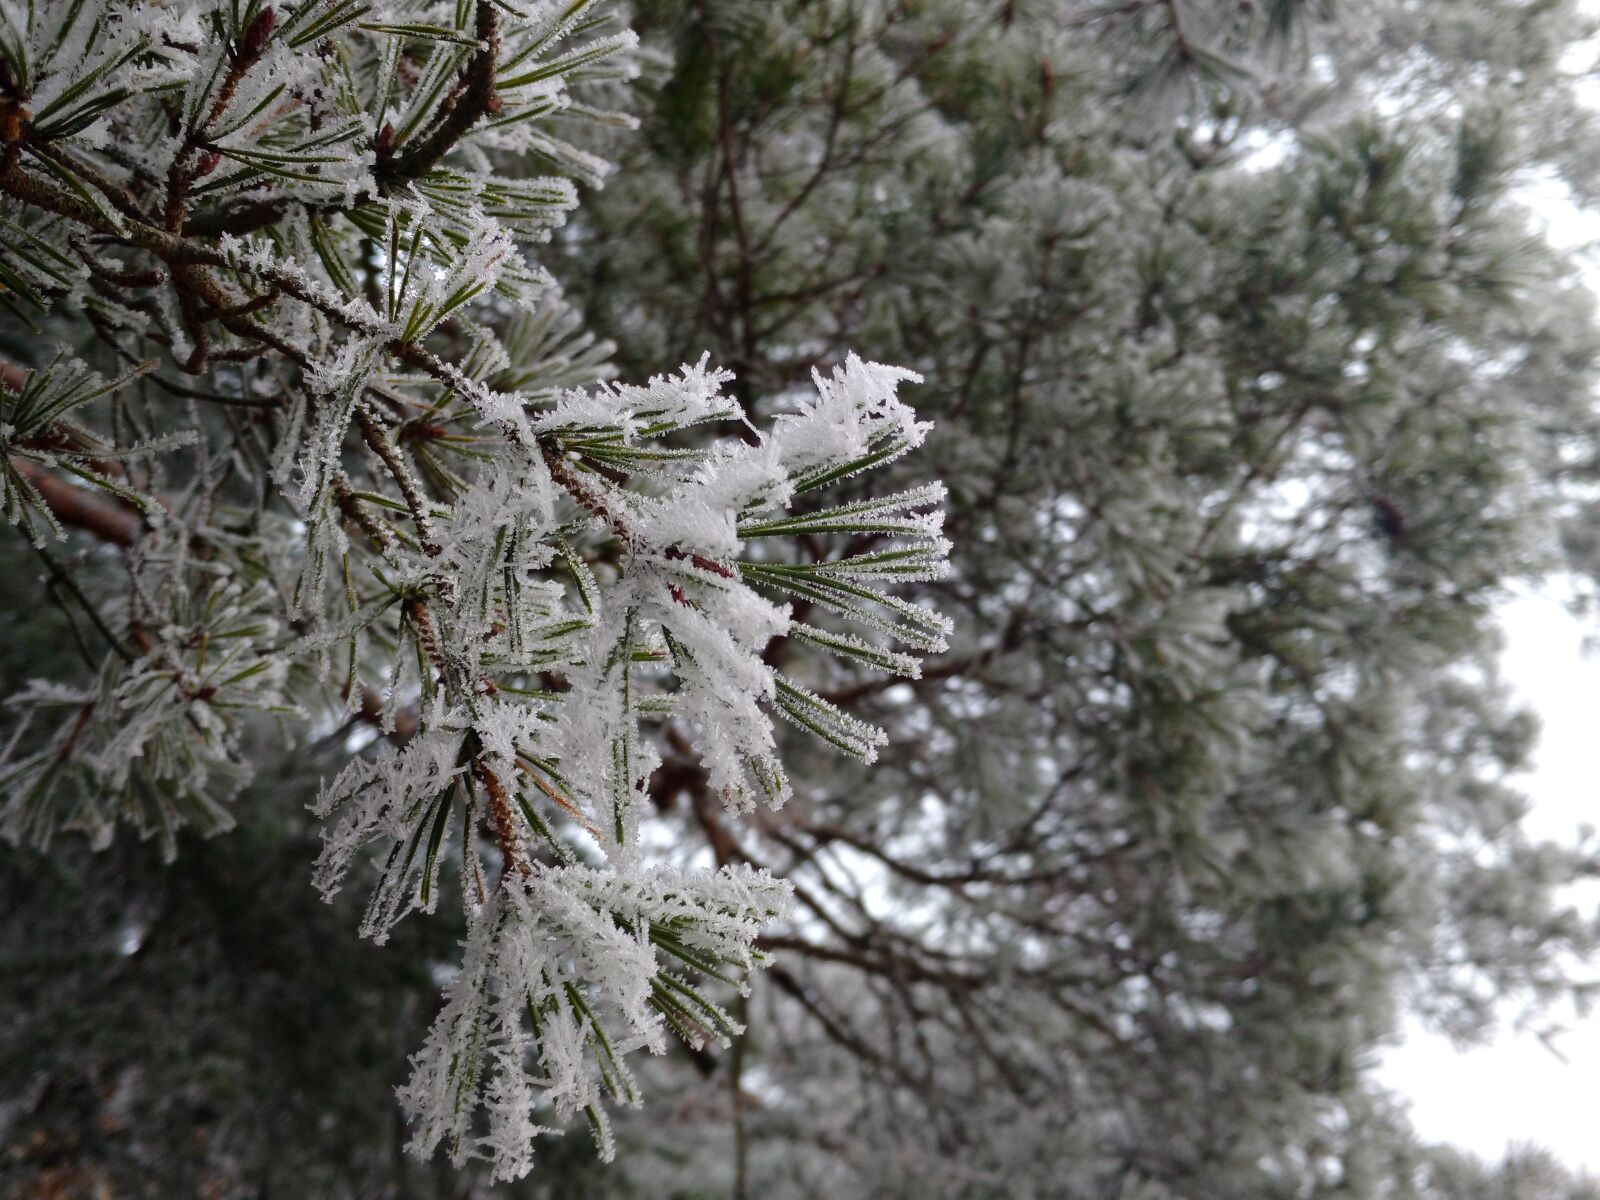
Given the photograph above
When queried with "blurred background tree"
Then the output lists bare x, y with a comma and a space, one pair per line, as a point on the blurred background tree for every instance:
1256, 389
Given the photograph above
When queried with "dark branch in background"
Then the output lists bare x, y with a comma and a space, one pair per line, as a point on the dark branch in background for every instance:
81, 508
74, 506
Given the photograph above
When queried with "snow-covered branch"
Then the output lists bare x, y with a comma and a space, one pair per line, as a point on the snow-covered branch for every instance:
362, 459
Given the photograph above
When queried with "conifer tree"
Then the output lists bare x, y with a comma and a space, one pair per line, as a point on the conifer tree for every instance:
1254, 390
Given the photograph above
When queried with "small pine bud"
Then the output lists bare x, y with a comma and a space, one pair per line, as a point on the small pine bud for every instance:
1391, 522
255, 37
12, 116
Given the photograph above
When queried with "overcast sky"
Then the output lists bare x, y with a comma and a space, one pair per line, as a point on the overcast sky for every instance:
1517, 1089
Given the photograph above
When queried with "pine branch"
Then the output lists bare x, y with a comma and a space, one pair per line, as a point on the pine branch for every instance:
355, 352
472, 99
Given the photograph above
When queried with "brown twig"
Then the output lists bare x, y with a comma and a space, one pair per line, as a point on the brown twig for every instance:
501, 819
471, 99
80, 508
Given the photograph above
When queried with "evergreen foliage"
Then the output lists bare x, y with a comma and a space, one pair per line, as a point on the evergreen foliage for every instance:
1253, 389
350, 471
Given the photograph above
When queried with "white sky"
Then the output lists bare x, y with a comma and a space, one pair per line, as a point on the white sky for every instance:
1516, 1089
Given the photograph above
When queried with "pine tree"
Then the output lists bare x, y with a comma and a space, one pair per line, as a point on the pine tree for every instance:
1254, 390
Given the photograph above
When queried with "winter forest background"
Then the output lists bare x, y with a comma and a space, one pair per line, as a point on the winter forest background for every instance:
785, 598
